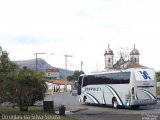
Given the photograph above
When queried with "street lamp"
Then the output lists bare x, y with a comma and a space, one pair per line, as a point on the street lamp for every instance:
50, 55
46, 73
46, 64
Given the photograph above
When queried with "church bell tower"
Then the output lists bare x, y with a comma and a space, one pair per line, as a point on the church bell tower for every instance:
108, 58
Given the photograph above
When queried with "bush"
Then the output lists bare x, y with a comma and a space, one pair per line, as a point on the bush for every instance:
158, 90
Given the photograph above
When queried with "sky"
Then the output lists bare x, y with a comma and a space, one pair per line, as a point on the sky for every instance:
81, 28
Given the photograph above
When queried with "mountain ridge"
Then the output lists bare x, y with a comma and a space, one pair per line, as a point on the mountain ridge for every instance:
42, 65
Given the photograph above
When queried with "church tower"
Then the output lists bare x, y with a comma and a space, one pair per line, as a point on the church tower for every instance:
108, 58
134, 55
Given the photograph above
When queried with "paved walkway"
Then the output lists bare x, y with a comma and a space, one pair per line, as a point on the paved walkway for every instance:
64, 98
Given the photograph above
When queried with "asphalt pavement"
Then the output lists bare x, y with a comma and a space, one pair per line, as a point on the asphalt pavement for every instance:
98, 112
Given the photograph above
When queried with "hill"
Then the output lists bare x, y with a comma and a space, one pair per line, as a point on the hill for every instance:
41, 66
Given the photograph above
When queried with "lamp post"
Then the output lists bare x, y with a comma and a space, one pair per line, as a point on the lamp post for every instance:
46, 64
46, 73
52, 102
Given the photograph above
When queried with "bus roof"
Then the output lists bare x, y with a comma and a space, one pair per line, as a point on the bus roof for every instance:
115, 71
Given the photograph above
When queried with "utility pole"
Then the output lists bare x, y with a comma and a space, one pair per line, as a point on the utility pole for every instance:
81, 66
36, 58
66, 56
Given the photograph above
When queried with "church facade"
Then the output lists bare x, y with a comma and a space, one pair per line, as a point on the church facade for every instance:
133, 62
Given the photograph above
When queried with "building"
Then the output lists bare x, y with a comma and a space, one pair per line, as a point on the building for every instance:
132, 62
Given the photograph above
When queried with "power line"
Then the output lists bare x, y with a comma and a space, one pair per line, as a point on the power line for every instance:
85, 68
72, 64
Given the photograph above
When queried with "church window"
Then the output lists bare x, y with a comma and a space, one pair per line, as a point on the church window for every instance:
135, 60
109, 60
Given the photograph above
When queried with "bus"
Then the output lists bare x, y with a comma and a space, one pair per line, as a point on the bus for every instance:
120, 88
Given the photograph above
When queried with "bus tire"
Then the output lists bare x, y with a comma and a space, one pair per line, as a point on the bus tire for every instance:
114, 103
135, 107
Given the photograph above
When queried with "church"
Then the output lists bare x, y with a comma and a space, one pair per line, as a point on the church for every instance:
132, 62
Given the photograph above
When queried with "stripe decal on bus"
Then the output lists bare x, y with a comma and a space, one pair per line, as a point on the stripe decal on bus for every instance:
115, 95
150, 95
136, 97
128, 101
104, 101
92, 98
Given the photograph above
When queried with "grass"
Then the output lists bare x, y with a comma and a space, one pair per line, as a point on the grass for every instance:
34, 113
158, 90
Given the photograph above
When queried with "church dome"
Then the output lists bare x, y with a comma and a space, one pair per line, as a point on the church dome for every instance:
108, 51
134, 51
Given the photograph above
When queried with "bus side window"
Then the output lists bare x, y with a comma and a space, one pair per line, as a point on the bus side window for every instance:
79, 85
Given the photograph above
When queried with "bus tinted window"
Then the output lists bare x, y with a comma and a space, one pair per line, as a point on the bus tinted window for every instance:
110, 78
89, 80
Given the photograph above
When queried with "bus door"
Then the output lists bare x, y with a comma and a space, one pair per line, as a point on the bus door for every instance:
144, 84
79, 87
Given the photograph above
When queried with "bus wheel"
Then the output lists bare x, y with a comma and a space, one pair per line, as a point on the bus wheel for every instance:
135, 107
114, 103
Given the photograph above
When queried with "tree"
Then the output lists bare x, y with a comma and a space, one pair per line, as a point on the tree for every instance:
6, 66
21, 87
123, 52
75, 76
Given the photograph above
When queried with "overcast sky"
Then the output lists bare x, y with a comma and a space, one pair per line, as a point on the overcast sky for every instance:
82, 28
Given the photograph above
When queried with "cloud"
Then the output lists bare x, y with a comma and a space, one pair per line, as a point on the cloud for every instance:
22, 40
79, 27
27, 40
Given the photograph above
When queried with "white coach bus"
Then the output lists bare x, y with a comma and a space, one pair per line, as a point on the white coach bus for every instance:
127, 88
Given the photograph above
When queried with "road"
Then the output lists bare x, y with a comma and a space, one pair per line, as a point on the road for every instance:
108, 113
63, 99
95, 112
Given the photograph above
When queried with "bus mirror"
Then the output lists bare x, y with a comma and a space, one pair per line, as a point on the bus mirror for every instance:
76, 85
79, 90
